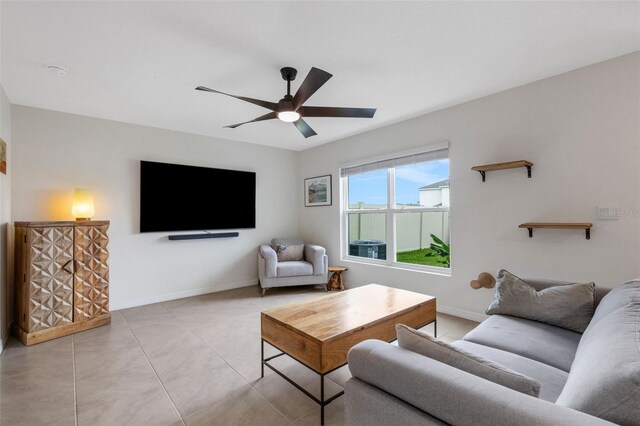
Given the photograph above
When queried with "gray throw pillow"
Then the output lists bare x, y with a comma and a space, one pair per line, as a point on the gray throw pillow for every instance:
288, 248
568, 306
423, 344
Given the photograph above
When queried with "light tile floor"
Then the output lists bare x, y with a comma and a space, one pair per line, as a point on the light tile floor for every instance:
191, 361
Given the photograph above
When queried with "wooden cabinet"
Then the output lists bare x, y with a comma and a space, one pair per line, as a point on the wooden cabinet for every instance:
61, 279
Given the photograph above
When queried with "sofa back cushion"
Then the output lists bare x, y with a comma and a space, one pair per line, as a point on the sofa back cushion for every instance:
288, 248
604, 380
567, 306
616, 299
423, 344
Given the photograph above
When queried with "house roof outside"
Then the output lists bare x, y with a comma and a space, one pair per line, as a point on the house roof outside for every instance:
436, 185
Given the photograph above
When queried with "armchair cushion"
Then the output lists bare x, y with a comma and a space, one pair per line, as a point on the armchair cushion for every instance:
315, 255
271, 260
294, 268
288, 249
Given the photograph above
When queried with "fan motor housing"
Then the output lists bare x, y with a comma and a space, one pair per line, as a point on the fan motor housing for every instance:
288, 73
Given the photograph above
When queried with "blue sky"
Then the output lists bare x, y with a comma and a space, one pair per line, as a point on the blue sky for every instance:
371, 187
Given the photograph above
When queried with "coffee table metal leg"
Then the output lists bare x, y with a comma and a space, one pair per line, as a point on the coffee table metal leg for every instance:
262, 358
435, 328
322, 399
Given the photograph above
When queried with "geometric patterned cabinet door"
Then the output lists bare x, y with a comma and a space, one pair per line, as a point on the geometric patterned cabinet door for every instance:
91, 286
61, 278
51, 278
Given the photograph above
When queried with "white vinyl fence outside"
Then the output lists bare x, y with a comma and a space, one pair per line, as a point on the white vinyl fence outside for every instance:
413, 229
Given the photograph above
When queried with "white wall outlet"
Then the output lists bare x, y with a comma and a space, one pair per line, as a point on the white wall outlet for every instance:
608, 212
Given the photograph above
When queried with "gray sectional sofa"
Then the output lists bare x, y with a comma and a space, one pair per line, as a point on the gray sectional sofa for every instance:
586, 379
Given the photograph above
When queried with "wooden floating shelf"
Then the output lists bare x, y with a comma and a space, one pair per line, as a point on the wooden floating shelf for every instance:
503, 166
557, 225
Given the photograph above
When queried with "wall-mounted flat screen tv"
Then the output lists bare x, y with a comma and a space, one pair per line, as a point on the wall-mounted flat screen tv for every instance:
175, 197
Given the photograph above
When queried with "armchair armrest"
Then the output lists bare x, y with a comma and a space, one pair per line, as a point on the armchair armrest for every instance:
270, 258
451, 395
315, 254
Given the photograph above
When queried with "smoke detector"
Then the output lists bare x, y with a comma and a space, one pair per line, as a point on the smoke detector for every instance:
57, 70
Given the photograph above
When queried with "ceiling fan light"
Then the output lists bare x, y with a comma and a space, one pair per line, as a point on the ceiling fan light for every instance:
288, 116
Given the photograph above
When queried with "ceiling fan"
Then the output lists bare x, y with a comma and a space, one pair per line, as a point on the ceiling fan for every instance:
290, 109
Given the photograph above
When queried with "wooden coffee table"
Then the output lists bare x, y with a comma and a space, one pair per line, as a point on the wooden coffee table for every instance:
320, 332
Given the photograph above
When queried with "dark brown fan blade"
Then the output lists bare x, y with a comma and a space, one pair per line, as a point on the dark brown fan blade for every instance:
304, 128
264, 104
312, 82
268, 116
315, 111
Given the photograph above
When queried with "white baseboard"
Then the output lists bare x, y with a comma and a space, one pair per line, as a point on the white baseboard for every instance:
4, 338
473, 316
181, 294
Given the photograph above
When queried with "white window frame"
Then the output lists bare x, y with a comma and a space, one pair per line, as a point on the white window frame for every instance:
391, 211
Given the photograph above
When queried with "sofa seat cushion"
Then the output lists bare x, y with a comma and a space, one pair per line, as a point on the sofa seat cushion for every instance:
551, 379
605, 376
535, 340
294, 268
423, 344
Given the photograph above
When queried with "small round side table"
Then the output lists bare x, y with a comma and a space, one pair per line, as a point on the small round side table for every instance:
335, 282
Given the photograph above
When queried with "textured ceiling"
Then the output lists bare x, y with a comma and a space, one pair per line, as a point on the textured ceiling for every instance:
139, 62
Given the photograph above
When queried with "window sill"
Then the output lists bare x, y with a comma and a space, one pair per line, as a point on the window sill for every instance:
444, 272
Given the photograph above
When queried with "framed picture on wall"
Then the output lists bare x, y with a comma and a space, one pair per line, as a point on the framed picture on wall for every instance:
317, 191
3, 157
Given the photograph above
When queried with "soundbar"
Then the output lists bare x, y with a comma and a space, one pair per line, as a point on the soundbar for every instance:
202, 236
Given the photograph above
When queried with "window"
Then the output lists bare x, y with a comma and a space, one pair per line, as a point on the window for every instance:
396, 211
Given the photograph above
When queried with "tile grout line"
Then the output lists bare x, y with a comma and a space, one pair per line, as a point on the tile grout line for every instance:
75, 391
186, 327
229, 365
154, 370
268, 370
225, 361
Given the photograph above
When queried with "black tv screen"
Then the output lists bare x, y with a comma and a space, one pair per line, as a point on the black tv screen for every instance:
176, 197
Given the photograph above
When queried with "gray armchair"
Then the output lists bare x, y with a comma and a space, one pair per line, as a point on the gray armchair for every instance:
310, 266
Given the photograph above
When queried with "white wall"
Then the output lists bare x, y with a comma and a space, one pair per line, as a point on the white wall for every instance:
6, 231
582, 132
6, 241
56, 152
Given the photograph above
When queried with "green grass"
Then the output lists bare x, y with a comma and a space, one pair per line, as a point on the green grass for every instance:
418, 257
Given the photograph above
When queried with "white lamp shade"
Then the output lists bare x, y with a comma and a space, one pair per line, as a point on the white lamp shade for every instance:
82, 204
